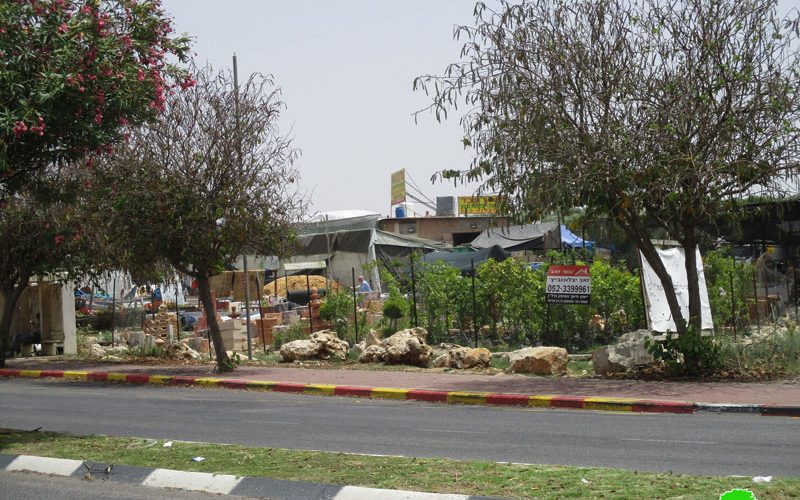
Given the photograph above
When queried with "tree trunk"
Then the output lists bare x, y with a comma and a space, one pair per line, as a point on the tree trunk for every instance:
691, 356
204, 286
630, 223
11, 295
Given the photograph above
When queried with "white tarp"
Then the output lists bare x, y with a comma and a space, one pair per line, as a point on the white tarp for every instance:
658, 315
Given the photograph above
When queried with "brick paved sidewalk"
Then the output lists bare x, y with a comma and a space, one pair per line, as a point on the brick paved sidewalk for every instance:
769, 393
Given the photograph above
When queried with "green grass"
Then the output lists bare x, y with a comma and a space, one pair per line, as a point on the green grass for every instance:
433, 475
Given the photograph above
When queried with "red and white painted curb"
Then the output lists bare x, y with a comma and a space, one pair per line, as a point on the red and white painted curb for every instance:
451, 397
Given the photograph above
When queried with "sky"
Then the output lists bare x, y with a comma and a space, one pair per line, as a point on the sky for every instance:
346, 70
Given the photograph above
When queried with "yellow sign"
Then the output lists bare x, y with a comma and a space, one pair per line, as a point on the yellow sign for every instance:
479, 205
398, 187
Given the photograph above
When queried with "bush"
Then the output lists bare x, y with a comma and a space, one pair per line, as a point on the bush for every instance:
727, 285
337, 309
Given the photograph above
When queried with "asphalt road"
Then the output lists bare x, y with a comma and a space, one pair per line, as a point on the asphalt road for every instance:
700, 444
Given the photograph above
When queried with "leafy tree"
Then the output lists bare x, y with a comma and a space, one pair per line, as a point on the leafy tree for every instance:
514, 295
437, 283
658, 113
72, 72
42, 239
198, 190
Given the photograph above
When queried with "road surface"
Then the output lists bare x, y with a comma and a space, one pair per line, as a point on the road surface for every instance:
702, 444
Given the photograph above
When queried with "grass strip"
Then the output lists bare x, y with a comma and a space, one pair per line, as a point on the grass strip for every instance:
419, 474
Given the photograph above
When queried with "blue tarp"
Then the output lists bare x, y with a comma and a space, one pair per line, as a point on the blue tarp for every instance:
572, 240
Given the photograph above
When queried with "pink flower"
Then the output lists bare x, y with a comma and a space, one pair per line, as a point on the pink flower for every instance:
62, 28
19, 128
122, 120
59, 239
188, 82
98, 117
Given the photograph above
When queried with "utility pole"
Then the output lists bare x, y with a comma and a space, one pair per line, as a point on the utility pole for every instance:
244, 256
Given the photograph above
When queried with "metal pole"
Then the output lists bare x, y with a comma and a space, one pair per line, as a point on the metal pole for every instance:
413, 288
755, 295
310, 319
474, 304
177, 313
113, 308
244, 257
355, 305
733, 305
261, 313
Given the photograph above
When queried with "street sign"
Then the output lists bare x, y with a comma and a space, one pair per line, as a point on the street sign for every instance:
568, 285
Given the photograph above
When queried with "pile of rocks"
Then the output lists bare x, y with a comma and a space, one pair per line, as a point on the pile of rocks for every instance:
406, 347
456, 356
323, 344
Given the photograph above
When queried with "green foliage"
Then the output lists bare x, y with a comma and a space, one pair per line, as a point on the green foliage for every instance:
296, 331
395, 307
514, 295
617, 297
438, 287
337, 309
776, 354
727, 285
688, 354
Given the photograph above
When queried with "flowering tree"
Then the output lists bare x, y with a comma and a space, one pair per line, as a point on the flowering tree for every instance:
198, 191
72, 72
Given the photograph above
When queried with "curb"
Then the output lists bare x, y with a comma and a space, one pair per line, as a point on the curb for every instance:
429, 396
218, 484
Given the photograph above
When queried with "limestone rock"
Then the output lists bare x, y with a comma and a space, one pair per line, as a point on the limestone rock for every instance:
372, 354
463, 357
538, 360
626, 354
179, 350
297, 350
119, 349
405, 347
111, 357
359, 348
330, 344
321, 345
96, 351
372, 338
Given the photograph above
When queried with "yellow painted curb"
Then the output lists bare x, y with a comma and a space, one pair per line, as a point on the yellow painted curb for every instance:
119, 377
206, 381
609, 404
76, 375
30, 373
467, 398
319, 389
540, 401
160, 379
389, 393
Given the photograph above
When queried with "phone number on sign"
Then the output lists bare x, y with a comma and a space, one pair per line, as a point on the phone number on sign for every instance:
579, 288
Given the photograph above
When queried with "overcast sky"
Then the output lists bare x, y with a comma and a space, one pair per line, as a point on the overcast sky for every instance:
346, 70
